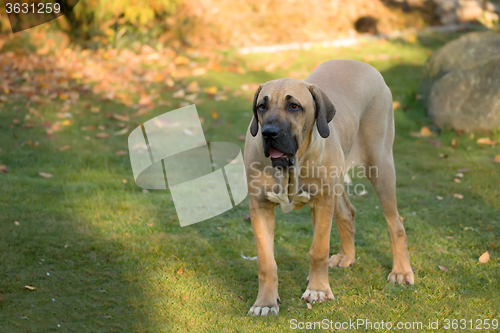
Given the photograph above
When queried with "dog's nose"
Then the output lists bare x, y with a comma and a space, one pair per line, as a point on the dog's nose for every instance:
270, 132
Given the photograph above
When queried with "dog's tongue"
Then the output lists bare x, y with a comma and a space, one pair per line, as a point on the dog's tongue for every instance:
274, 153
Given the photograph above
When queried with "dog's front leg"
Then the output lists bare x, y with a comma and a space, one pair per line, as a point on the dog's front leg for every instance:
262, 217
318, 288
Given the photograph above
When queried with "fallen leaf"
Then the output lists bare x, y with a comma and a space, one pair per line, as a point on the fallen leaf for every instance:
124, 181
458, 196
102, 135
210, 90
193, 87
485, 141
453, 142
16, 223
121, 153
309, 306
443, 268
439, 197
3, 169
425, 131
169, 82
396, 105
459, 175
63, 148
497, 159
214, 114
456, 180
181, 60
241, 138
494, 246
66, 122
180, 271
45, 175
484, 258
121, 132
95, 109
29, 287
463, 170
121, 117
179, 94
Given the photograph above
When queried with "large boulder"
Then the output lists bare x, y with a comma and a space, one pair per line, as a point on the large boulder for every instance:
461, 83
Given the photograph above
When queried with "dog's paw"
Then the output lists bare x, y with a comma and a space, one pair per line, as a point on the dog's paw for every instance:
263, 310
313, 296
340, 260
401, 277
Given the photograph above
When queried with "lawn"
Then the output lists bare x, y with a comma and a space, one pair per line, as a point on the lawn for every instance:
105, 256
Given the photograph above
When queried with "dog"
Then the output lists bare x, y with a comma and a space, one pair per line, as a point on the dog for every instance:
340, 116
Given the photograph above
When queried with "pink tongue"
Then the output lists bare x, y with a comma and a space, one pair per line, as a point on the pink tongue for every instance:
274, 153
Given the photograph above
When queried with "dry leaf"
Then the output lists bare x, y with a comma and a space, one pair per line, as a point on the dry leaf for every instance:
29, 287
121, 132
179, 94
443, 268
425, 131
181, 60
214, 114
494, 246
180, 271
121, 153
497, 159
121, 117
484, 258
309, 306
45, 175
193, 87
210, 90
456, 180
95, 109
439, 197
241, 138
63, 148
169, 82
66, 122
485, 141
102, 135
3, 169
458, 196
453, 142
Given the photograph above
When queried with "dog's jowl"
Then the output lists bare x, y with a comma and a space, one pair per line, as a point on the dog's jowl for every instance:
303, 138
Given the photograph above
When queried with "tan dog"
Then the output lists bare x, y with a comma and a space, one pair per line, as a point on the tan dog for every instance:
303, 137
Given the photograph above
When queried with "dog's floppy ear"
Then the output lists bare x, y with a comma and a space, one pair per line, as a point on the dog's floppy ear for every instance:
254, 127
324, 110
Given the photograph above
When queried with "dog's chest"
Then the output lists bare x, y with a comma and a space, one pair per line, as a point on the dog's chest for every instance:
289, 192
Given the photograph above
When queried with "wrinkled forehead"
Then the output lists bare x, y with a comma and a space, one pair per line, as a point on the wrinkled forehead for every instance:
280, 91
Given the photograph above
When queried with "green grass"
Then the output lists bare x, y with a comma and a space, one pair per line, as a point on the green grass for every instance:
106, 257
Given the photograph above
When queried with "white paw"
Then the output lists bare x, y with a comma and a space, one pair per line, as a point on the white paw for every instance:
401, 277
313, 296
340, 260
263, 311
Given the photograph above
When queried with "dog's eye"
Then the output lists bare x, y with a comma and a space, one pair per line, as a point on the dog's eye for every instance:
262, 107
294, 107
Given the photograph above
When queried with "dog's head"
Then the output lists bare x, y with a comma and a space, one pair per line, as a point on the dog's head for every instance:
286, 111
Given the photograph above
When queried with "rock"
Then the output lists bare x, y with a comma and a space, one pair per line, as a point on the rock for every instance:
461, 83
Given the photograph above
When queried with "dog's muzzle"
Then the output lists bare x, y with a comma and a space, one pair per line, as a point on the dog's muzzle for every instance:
278, 146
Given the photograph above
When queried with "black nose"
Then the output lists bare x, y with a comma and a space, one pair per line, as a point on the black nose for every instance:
270, 132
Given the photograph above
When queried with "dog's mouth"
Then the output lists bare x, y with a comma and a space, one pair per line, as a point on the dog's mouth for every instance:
279, 159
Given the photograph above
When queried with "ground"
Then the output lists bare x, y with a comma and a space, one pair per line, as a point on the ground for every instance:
105, 257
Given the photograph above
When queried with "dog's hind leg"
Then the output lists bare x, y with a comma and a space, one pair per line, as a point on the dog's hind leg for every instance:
344, 218
384, 183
